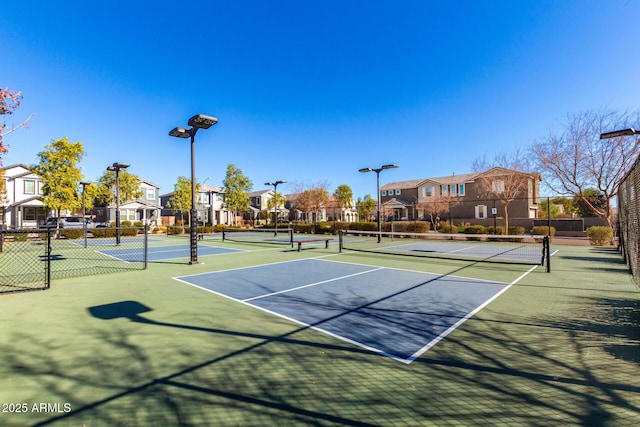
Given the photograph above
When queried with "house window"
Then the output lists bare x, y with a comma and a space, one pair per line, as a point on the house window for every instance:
29, 214
452, 188
461, 189
428, 191
128, 214
443, 189
383, 193
481, 211
151, 194
29, 187
497, 186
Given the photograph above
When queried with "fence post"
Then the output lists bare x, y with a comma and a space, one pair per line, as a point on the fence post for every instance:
48, 260
146, 247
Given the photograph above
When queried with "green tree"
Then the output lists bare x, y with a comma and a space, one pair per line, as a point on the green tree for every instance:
543, 212
180, 201
237, 187
344, 197
128, 185
589, 202
365, 207
276, 202
60, 175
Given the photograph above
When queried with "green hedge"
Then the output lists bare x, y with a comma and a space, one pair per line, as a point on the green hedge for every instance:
475, 229
543, 230
600, 235
72, 234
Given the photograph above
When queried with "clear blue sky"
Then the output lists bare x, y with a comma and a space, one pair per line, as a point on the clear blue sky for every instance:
309, 91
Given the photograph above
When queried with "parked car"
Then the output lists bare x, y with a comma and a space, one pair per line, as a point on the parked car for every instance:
70, 222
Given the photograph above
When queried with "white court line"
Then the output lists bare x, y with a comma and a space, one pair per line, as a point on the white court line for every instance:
455, 326
312, 284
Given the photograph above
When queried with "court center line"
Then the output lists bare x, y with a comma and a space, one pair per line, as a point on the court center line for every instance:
312, 284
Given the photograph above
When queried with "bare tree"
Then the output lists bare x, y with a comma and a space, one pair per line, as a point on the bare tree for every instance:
576, 159
505, 178
436, 205
311, 198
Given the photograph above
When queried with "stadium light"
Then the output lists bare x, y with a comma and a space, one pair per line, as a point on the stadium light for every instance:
377, 171
117, 167
616, 133
275, 201
199, 121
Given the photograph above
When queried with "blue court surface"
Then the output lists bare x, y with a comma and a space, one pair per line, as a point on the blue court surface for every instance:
161, 253
105, 241
394, 312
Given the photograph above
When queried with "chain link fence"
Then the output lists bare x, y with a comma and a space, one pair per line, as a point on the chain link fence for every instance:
629, 218
31, 259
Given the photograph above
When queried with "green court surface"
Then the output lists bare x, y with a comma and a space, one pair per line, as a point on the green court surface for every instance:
139, 348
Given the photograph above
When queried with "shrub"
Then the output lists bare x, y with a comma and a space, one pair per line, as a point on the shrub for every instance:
516, 231
160, 229
600, 235
71, 234
495, 230
411, 226
176, 230
125, 223
138, 224
364, 226
543, 230
103, 232
475, 229
218, 228
130, 231
445, 227
19, 237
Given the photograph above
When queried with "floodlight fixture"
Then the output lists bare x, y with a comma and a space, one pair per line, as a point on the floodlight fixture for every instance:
275, 202
616, 133
199, 121
117, 167
180, 133
377, 171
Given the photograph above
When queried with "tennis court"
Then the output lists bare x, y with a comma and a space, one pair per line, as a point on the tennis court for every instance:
163, 253
395, 312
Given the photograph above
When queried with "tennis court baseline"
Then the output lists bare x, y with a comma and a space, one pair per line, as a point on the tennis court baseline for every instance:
394, 312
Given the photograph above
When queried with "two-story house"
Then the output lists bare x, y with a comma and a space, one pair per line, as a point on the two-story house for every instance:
209, 205
145, 209
464, 197
21, 204
259, 210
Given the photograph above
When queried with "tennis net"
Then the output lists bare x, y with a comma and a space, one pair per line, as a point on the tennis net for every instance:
521, 249
259, 235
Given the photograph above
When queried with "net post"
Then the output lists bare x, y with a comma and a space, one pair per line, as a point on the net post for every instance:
547, 253
290, 231
340, 237
223, 233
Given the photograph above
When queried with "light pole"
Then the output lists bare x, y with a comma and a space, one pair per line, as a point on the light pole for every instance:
275, 201
84, 220
616, 133
117, 167
199, 121
377, 171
